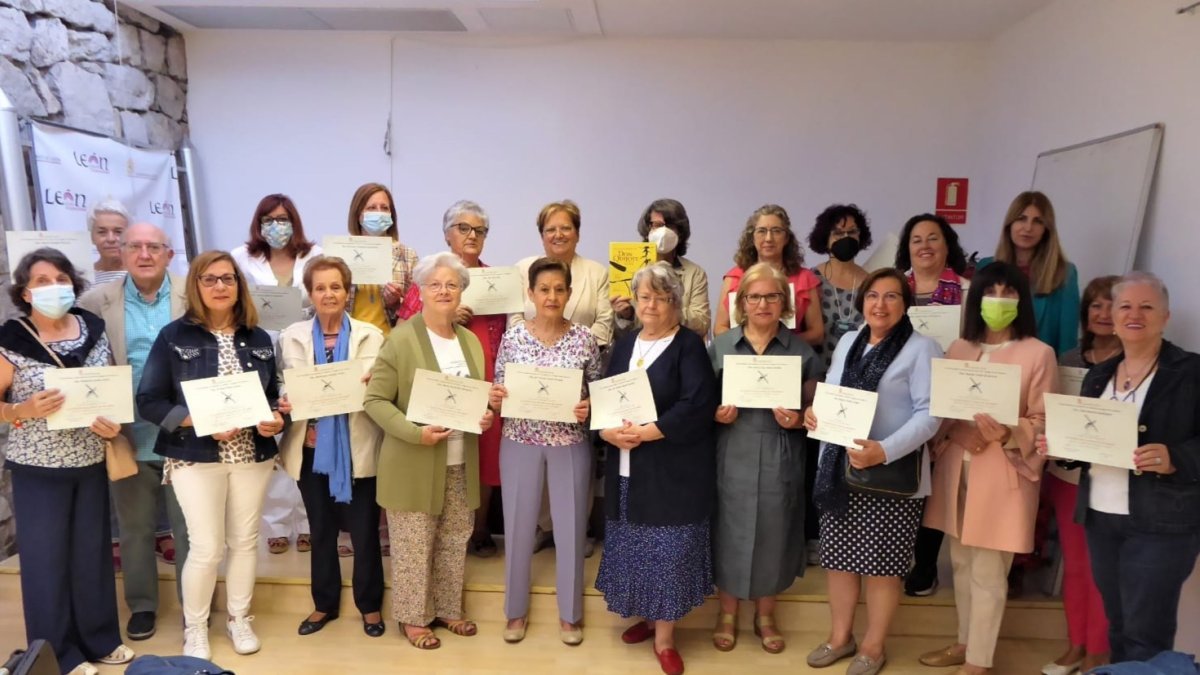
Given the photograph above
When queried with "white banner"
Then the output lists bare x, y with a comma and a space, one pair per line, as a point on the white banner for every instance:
76, 170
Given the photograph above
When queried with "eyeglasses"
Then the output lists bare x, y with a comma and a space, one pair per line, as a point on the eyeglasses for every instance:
282, 220
465, 230
774, 232
842, 234
769, 298
210, 280
438, 287
654, 299
888, 297
152, 248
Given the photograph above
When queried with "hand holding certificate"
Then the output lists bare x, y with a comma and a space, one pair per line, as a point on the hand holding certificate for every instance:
940, 322
495, 290
369, 258
89, 393
622, 397
762, 382
843, 414
963, 389
325, 390
542, 393
225, 402
1091, 430
448, 401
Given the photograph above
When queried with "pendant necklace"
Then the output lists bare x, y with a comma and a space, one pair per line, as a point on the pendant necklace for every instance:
649, 350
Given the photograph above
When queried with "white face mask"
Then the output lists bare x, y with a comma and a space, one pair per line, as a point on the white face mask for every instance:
52, 301
664, 239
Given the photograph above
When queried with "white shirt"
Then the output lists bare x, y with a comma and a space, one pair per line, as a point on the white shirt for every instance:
648, 351
451, 361
1110, 484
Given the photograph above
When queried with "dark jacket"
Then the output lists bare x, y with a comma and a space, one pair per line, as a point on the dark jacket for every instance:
672, 480
1163, 504
187, 351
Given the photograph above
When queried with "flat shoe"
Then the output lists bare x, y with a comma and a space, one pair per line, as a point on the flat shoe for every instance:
826, 655
515, 635
865, 665
374, 629
571, 637
1053, 668
308, 627
425, 640
942, 658
121, 654
638, 632
670, 661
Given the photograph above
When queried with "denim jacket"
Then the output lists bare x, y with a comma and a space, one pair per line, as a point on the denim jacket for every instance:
187, 351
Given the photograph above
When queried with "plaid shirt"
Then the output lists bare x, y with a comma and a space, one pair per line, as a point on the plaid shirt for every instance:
404, 259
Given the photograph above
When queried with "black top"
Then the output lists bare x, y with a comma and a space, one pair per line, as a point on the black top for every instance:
672, 480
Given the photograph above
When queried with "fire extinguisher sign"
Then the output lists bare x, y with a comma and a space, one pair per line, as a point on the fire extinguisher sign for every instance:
952, 200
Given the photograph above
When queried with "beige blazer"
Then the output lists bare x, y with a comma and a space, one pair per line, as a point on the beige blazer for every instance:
589, 304
296, 350
108, 302
1001, 499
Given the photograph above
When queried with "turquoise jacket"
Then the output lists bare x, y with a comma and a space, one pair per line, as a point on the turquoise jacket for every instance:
1057, 313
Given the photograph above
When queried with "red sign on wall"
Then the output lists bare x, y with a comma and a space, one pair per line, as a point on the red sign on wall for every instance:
952, 200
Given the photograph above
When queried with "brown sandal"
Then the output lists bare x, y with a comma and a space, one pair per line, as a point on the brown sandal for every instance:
304, 543
772, 644
424, 640
278, 544
725, 641
460, 627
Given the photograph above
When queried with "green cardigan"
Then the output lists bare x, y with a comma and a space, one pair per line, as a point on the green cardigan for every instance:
412, 476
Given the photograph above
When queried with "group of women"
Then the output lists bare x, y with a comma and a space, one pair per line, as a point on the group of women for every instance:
705, 494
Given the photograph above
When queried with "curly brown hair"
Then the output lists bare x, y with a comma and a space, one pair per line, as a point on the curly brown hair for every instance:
747, 254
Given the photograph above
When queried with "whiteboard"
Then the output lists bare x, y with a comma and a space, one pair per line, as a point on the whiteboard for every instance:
1100, 189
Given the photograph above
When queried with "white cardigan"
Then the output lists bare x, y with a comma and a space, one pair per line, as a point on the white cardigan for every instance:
258, 269
295, 350
589, 305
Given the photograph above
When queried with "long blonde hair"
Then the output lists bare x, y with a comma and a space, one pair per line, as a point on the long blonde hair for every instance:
1048, 268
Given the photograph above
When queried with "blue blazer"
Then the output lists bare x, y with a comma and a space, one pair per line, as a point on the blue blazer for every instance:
1057, 313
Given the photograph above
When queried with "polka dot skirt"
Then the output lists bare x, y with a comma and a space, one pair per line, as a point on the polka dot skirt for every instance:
875, 537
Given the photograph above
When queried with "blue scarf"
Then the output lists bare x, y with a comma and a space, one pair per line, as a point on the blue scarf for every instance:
332, 454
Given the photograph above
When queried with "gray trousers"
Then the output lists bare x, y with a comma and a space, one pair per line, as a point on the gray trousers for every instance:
523, 471
136, 499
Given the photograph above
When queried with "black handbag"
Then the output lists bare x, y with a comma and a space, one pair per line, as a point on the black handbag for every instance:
39, 659
899, 480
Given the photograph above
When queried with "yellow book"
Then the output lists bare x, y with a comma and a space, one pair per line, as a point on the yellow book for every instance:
624, 260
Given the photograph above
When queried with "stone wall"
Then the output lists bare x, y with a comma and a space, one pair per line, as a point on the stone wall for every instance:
75, 62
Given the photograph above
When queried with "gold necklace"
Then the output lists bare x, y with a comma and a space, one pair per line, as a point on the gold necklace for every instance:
1141, 377
649, 350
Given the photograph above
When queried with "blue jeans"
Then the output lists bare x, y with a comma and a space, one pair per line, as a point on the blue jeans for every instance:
1140, 576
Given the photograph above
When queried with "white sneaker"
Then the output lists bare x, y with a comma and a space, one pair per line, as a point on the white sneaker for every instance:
195, 642
84, 668
242, 635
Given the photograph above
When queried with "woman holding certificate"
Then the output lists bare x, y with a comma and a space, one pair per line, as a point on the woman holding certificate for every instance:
868, 531
428, 478
986, 475
59, 485
534, 449
1143, 526
656, 563
334, 458
758, 546
373, 214
220, 478
465, 227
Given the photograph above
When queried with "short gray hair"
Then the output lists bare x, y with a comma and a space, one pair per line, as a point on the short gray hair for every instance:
1145, 279
429, 263
662, 279
104, 206
460, 207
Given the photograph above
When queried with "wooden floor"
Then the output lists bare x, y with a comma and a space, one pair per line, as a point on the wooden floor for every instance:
282, 600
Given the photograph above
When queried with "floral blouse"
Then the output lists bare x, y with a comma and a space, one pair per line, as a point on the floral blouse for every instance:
576, 348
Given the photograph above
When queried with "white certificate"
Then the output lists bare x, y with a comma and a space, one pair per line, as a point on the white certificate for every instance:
495, 290
321, 391
622, 397
790, 323
1070, 380
962, 389
278, 306
226, 402
541, 393
448, 401
89, 393
762, 381
369, 258
1091, 429
940, 322
843, 414
76, 246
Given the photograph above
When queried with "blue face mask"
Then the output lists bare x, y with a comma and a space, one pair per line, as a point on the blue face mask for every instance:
376, 223
52, 301
277, 233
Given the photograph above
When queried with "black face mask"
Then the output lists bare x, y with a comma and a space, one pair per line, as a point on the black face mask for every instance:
845, 249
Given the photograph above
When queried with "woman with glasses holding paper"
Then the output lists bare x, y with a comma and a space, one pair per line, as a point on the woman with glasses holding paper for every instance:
59, 485
758, 536
987, 474
1143, 526
220, 478
428, 476
334, 458
871, 493
465, 227
661, 482
535, 449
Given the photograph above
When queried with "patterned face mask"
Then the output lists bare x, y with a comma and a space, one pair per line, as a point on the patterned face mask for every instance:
277, 233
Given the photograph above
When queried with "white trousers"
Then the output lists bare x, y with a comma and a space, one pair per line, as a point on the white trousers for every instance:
283, 513
222, 504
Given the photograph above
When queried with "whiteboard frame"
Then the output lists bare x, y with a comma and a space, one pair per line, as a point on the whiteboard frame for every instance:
1147, 181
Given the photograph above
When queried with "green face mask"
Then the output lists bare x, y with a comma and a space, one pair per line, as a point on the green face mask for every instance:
998, 313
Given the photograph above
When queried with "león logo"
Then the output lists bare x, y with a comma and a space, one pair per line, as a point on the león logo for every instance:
69, 199
165, 209
92, 161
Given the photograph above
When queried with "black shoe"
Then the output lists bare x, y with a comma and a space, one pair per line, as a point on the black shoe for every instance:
374, 629
140, 626
542, 539
309, 627
920, 582
482, 547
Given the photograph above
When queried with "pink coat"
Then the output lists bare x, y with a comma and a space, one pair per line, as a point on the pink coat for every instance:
1003, 485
